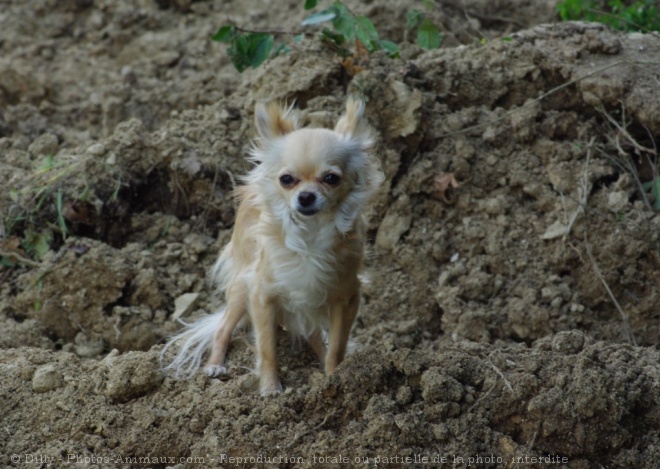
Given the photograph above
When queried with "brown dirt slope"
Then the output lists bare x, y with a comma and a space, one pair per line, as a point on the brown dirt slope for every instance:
514, 316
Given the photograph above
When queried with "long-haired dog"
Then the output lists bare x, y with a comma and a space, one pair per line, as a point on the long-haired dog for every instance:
297, 247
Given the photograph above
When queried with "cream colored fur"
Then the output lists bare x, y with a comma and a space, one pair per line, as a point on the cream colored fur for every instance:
297, 246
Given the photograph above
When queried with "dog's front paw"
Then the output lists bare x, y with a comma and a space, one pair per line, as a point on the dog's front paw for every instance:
214, 371
270, 389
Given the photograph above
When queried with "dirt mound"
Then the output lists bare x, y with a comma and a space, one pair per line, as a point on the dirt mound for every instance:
512, 310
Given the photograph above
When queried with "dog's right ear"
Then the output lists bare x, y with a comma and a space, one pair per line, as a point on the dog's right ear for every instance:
272, 120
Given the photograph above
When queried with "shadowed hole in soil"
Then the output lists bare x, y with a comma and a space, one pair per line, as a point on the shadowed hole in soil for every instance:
204, 197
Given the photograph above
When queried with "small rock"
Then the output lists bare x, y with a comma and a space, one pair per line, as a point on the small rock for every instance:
556, 230
404, 395
132, 375
47, 378
617, 201
568, 342
96, 149
184, 304
409, 102
45, 144
86, 348
391, 229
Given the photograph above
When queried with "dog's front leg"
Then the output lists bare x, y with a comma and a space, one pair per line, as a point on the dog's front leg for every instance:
342, 316
264, 319
315, 340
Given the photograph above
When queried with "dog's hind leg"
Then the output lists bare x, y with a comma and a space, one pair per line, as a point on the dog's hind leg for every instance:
236, 309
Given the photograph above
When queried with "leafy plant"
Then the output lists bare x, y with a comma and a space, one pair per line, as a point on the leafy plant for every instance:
246, 49
642, 15
428, 35
350, 34
348, 27
29, 222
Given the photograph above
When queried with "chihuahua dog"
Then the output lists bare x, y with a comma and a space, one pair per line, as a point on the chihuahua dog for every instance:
297, 247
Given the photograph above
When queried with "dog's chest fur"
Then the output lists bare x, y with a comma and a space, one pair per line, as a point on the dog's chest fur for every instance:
304, 271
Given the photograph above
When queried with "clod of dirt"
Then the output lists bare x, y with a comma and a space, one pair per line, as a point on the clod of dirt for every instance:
46, 378
72, 290
130, 375
444, 186
394, 225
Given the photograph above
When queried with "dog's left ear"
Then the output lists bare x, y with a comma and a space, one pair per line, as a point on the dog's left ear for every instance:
273, 120
353, 125
361, 163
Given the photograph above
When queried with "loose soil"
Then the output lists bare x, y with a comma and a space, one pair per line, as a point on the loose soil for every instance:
516, 315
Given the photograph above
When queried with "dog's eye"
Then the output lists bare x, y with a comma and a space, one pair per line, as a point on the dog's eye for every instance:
286, 180
331, 179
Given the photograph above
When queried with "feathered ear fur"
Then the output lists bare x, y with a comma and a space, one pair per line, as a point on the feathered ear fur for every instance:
354, 126
364, 166
273, 120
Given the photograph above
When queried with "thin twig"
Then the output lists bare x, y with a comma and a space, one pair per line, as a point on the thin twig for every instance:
497, 370
627, 163
267, 31
583, 190
624, 316
19, 258
299, 436
530, 445
482, 397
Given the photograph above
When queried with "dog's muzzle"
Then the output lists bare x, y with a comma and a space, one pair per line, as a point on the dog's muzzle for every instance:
307, 203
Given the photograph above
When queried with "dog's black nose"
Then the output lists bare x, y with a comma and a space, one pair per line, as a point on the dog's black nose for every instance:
305, 199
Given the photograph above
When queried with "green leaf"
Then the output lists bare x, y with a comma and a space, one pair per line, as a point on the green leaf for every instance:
366, 33
282, 48
250, 50
224, 34
391, 48
337, 38
413, 18
428, 36
36, 244
654, 188
260, 48
47, 164
344, 22
238, 52
309, 4
298, 39
506, 39
320, 17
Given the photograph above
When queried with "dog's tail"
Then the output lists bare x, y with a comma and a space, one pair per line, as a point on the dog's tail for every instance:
195, 339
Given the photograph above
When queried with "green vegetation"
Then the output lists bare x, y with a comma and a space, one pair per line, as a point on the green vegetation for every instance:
36, 216
641, 15
653, 188
350, 33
